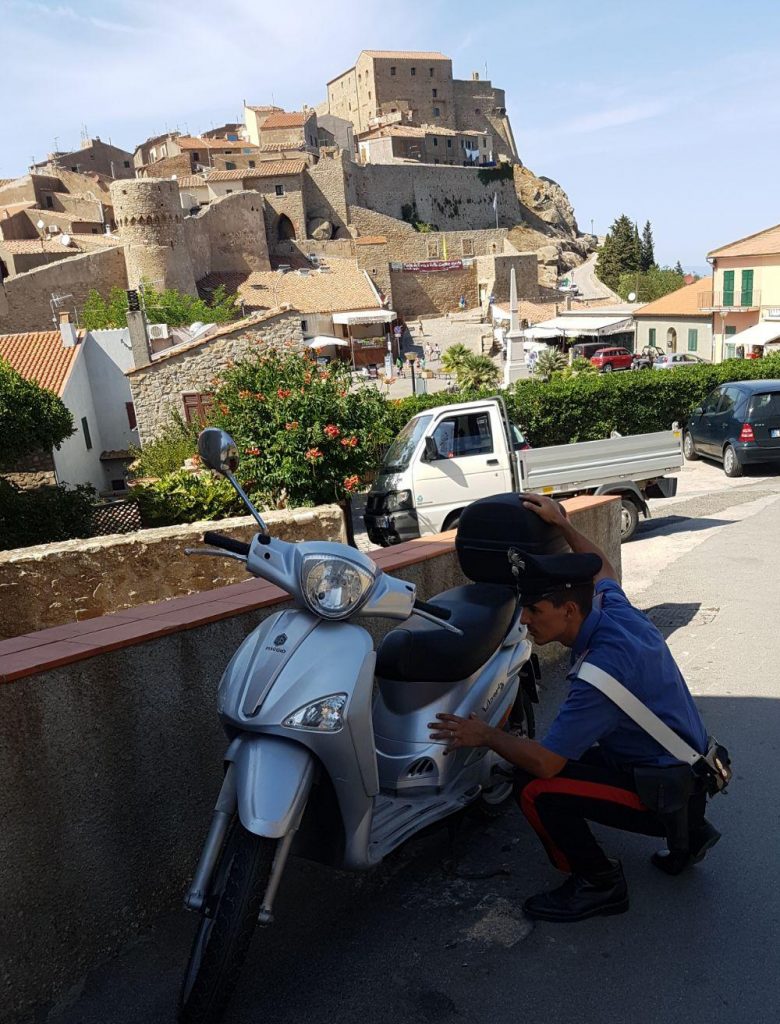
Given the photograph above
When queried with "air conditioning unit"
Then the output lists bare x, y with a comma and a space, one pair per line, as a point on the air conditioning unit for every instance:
303, 273
158, 331
283, 268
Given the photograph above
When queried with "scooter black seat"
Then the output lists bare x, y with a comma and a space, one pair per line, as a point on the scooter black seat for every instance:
421, 650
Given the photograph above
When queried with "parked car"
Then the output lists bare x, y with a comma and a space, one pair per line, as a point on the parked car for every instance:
585, 349
738, 424
645, 359
608, 359
673, 359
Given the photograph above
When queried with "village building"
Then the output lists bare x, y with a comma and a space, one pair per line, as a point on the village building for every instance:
426, 144
407, 87
677, 322
87, 371
93, 156
744, 302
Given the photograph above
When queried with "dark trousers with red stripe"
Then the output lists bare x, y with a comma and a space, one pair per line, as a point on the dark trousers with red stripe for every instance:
559, 809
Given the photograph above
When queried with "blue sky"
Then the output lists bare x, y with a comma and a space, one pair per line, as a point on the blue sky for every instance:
666, 111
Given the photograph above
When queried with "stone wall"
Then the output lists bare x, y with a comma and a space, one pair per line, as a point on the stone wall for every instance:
25, 300
452, 198
79, 207
478, 107
427, 294
72, 580
16, 227
158, 389
327, 189
34, 470
228, 236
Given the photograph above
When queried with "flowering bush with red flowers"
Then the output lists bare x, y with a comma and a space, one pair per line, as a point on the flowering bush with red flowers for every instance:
307, 435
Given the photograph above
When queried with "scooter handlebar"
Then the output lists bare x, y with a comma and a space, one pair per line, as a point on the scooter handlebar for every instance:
219, 540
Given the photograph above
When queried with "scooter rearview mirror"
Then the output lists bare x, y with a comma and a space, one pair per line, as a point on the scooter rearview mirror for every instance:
218, 450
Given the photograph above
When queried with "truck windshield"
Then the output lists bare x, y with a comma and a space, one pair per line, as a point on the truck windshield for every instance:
401, 450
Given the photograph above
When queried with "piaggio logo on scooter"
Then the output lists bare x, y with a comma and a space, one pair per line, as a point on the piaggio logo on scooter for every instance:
493, 695
278, 644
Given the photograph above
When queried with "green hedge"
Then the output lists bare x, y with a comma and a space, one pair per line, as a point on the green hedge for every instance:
590, 406
43, 515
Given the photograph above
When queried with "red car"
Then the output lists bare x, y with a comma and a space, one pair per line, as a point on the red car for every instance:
608, 359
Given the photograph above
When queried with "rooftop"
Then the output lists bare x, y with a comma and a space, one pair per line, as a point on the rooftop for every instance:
39, 356
342, 288
31, 246
682, 302
286, 119
190, 180
266, 169
187, 142
404, 54
762, 243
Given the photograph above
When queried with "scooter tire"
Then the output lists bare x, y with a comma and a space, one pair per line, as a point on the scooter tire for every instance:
222, 939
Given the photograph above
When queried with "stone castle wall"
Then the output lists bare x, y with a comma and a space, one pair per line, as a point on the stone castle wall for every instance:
327, 189
149, 220
158, 389
228, 236
452, 198
429, 294
25, 300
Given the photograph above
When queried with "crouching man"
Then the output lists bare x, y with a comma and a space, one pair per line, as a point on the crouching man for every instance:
593, 762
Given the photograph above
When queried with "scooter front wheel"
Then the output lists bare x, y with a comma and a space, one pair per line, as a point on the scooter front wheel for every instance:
225, 932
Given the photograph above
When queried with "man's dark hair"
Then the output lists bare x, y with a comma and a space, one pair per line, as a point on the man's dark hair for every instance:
581, 594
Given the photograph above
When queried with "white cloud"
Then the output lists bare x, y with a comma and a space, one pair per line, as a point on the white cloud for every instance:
615, 117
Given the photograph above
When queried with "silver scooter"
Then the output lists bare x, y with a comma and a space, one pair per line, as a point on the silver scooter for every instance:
329, 754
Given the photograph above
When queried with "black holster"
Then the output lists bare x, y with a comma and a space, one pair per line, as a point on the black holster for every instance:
667, 792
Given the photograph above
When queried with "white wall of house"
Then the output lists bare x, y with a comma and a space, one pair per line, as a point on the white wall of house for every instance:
97, 390
681, 325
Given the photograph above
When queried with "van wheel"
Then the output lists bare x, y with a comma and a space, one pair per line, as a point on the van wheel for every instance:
629, 519
451, 522
688, 449
731, 465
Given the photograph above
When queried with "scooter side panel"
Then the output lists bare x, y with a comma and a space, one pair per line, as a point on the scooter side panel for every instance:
272, 778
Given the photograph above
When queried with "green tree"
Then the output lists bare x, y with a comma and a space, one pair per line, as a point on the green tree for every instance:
620, 252
453, 357
646, 249
678, 269
550, 362
177, 309
652, 285
31, 418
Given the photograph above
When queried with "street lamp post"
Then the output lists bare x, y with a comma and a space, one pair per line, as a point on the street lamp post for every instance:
412, 358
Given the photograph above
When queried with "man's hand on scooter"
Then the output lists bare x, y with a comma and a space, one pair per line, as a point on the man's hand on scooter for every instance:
548, 509
460, 732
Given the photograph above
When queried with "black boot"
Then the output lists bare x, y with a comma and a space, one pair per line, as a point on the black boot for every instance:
580, 897
702, 838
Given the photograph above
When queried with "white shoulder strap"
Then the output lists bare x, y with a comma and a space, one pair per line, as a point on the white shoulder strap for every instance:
636, 710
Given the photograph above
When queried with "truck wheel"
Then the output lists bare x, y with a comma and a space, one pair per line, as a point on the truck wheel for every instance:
688, 449
629, 519
731, 465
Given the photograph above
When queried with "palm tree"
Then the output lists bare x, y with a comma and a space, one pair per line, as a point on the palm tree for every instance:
548, 363
477, 372
453, 357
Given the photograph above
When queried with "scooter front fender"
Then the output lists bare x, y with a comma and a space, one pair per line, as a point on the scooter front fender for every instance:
273, 777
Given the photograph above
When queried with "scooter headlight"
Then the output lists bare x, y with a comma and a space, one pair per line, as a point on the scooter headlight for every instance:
324, 715
334, 587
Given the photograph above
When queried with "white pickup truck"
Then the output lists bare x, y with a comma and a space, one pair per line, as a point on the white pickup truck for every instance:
446, 457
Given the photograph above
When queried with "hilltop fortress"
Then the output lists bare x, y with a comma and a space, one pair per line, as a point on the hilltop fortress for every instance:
401, 165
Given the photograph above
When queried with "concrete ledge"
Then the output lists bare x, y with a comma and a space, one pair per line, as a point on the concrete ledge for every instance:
111, 757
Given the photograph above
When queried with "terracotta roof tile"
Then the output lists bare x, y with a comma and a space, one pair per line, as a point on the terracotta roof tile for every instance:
280, 147
266, 169
285, 119
187, 142
190, 181
31, 246
340, 288
12, 208
39, 356
682, 302
762, 243
371, 240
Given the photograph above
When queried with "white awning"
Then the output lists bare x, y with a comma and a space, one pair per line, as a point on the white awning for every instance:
759, 334
365, 316
574, 326
540, 332
324, 340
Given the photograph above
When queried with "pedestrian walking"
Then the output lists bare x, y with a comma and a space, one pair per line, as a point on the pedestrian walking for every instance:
428, 350
462, 303
420, 327
399, 365
437, 351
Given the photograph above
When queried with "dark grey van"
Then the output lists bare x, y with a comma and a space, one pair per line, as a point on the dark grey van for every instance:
738, 424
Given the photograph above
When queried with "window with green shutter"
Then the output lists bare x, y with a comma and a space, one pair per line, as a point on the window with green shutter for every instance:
651, 336
693, 339
746, 299
728, 287
730, 331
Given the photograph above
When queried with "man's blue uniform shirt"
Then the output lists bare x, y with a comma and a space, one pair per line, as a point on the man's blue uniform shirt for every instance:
622, 641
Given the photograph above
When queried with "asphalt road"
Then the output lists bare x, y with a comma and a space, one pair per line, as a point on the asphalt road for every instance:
421, 940
584, 276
